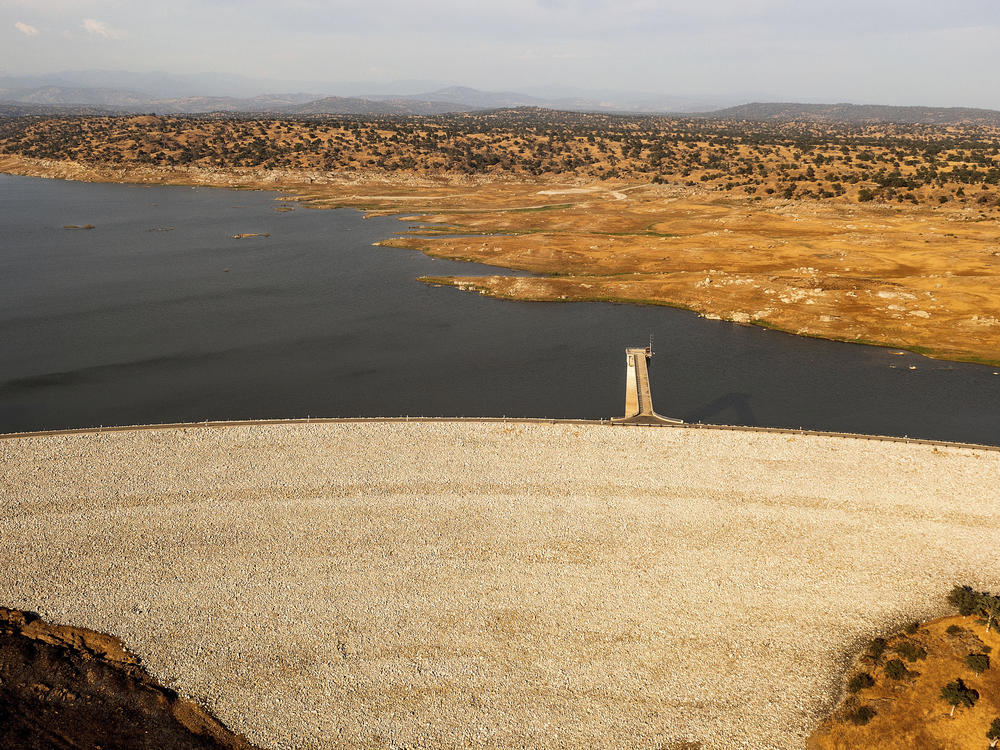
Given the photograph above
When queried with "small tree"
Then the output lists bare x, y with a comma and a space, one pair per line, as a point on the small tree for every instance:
993, 733
860, 682
957, 694
895, 669
990, 607
964, 599
863, 715
971, 602
876, 648
978, 663
911, 651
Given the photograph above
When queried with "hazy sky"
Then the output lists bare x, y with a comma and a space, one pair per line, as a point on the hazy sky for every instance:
930, 52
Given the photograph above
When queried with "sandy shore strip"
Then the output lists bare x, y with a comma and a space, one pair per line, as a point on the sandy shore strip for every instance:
494, 585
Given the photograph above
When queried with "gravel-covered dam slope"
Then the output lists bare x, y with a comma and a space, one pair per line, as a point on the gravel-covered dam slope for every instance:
494, 585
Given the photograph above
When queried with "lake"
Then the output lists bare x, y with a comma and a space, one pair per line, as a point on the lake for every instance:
158, 315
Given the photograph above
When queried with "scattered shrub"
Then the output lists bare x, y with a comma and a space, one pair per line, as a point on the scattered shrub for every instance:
895, 669
911, 651
978, 663
954, 630
964, 599
863, 715
876, 648
912, 628
860, 682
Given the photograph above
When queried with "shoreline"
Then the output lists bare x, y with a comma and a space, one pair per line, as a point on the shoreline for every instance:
469, 283
667, 289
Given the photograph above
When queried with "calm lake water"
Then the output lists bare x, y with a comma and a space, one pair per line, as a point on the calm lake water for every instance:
129, 323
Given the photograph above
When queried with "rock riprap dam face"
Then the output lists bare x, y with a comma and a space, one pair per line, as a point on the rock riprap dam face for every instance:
494, 585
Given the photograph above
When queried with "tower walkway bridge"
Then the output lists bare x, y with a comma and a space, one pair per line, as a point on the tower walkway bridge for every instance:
638, 397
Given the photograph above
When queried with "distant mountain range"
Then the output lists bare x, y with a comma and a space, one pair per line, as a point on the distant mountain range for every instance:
18, 97
138, 91
126, 100
453, 99
390, 105
856, 113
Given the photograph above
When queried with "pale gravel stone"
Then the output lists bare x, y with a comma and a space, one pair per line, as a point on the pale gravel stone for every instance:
494, 585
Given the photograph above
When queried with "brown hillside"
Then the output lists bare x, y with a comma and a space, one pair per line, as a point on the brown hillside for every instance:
909, 712
66, 687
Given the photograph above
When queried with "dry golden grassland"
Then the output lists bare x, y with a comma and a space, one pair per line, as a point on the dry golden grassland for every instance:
882, 234
909, 712
912, 278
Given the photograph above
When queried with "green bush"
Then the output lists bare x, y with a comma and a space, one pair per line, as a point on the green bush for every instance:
912, 628
895, 669
860, 682
954, 630
978, 663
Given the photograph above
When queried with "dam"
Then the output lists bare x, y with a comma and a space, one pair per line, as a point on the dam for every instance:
123, 325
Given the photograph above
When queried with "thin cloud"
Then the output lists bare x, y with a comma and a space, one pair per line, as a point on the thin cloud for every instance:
26, 28
100, 28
